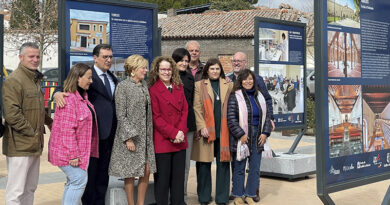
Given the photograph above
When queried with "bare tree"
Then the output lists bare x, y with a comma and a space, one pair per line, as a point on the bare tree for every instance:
33, 20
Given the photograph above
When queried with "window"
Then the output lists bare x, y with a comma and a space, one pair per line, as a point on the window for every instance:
101, 28
84, 27
101, 41
94, 41
94, 27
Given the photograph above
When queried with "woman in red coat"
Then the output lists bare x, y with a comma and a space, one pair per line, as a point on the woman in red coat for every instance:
169, 108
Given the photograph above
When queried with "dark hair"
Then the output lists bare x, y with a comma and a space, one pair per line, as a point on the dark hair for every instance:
242, 75
284, 35
97, 48
179, 53
210, 62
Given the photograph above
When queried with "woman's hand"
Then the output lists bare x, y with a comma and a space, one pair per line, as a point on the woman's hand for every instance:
204, 132
179, 137
244, 139
74, 162
130, 145
262, 139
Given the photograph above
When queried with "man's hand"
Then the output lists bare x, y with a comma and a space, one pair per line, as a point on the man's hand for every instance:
273, 125
244, 139
59, 99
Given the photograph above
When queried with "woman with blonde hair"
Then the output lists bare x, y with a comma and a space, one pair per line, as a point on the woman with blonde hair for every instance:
74, 137
133, 151
170, 111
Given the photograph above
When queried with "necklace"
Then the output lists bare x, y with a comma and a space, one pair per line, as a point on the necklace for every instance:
217, 98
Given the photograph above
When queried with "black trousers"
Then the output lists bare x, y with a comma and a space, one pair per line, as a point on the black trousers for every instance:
222, 183
95, 191
169, 178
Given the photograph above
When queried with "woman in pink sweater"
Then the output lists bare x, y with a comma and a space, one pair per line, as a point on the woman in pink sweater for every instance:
74, 136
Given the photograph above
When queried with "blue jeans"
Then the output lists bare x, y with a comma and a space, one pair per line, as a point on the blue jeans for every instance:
253, 180
76, 180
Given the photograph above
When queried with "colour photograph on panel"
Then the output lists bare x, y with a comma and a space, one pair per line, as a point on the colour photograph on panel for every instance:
344, 55
88, 29
345, 120
273, 45
285, 85
344, 13
376, 117
117, 66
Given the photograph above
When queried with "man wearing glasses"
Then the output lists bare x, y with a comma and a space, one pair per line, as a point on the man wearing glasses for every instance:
101, 95
240, 62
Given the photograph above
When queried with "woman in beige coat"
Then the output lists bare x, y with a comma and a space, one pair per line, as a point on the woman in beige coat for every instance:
210, 107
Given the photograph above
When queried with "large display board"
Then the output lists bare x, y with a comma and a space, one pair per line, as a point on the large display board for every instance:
129, 27
280, 58
352, 93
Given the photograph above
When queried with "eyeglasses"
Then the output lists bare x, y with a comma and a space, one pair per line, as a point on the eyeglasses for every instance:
166, 70
106, 56
239, 61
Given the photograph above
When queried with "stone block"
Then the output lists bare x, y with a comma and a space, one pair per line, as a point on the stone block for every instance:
289, 166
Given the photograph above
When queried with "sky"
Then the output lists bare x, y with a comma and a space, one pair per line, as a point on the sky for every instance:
347, 2
90, 15
302, 5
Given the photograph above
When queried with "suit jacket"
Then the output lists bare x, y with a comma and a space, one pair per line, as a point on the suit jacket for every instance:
169, 116
104, 105
201, 150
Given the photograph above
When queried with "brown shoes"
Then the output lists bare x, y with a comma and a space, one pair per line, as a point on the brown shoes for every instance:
257, 198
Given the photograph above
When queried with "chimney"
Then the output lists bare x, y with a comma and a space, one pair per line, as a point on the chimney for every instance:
171, 12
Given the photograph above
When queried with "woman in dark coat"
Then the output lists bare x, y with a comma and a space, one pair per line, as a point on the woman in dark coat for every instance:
248, 122
182, 57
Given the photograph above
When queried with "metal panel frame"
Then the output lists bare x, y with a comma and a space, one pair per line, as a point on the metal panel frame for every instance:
323, 190
122, 3
256, 63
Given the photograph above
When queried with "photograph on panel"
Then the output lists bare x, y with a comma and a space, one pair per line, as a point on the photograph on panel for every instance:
345, 120
344, 55
273, 44
376, 117
344, 13
88, 29
285, 85
116, 66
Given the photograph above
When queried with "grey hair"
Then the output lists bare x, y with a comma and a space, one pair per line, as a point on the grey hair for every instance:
189, 42
27, 45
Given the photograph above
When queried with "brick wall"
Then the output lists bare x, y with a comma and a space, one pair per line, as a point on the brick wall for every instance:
214, 48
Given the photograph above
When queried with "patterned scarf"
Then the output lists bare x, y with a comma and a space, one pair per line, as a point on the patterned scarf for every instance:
208, 116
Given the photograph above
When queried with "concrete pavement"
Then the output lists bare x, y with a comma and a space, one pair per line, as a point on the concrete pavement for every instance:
273, 191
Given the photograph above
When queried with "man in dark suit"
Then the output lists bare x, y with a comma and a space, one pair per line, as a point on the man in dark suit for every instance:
101, 95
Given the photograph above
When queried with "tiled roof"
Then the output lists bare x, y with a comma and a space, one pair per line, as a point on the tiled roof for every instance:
233, 24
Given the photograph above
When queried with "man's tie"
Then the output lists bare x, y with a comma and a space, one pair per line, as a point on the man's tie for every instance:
170, 89
107, 84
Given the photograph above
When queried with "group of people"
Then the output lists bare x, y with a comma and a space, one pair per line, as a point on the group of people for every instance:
183, 111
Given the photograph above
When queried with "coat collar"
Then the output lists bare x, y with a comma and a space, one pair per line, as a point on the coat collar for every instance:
223, 88
172, 98
34, 75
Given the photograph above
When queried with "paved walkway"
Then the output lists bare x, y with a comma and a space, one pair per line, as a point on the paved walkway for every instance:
273, 191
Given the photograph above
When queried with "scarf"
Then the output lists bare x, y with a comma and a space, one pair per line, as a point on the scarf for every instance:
243, 110
208, 116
